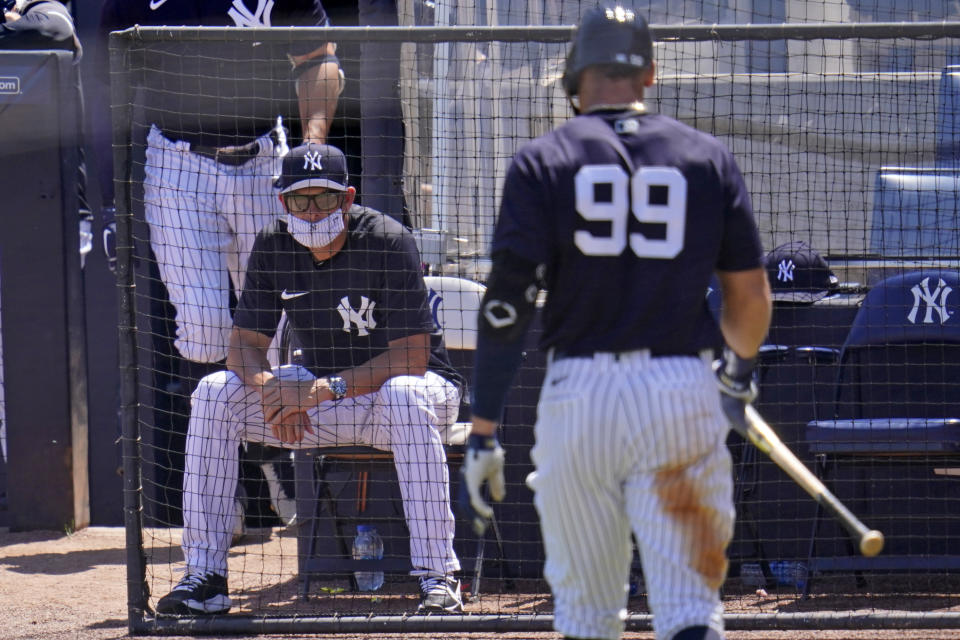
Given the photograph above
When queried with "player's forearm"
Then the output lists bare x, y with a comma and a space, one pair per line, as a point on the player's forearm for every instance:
247, 358
747, 307
318, 88
507, 308
483, 427
496, 365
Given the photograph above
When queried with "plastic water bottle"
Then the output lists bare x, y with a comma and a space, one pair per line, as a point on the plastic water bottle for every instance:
368, 546
792, 574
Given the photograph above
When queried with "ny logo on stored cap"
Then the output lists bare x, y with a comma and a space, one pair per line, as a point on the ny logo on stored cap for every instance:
785, 270
362, 318
935, 301
311, 161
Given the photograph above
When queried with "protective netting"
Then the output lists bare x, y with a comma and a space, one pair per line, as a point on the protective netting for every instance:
846, 140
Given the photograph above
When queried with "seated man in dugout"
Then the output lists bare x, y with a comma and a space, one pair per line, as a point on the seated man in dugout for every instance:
350, 281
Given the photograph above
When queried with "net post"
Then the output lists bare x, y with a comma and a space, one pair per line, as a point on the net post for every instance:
137, 589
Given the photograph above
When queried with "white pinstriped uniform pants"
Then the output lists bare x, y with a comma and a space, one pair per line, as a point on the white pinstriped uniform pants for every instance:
403, 417
633, 444
204, 217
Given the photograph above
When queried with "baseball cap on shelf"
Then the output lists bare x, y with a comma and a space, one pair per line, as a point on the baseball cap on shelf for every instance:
798, 273
313, 165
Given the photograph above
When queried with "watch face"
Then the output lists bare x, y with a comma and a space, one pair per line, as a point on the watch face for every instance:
339, 386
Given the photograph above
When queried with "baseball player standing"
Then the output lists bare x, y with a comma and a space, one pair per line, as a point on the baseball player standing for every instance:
349, 280
214, 145
623, 216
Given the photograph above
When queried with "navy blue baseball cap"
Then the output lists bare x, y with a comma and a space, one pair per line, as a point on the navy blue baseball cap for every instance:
313, 165
798, 273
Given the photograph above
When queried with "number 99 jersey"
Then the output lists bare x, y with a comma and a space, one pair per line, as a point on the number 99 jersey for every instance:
631, 213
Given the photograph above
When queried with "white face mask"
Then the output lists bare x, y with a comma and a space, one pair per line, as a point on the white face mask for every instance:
316, 235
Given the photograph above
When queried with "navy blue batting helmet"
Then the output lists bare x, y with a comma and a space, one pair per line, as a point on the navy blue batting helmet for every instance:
611, 35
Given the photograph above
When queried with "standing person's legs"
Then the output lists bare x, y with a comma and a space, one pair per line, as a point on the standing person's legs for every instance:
638, 438
683, 520
186, 236
249, 202
579, 462
680, 503
189, 238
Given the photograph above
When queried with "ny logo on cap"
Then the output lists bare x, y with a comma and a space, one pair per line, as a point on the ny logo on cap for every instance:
785, 270
311, 161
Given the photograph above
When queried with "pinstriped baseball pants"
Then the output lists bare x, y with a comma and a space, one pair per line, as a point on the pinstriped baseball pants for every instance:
633, 444
403, 417
204, 217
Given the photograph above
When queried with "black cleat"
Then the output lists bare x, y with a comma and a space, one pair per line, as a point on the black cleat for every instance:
440, 595
196, 594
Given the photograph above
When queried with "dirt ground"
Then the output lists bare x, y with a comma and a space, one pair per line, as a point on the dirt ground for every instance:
55, 586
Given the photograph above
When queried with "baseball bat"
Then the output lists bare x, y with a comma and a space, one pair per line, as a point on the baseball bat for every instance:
757, 431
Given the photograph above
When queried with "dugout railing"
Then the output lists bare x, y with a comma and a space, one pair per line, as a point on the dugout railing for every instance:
811, 138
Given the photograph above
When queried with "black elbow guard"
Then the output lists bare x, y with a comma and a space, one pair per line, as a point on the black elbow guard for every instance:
510, 299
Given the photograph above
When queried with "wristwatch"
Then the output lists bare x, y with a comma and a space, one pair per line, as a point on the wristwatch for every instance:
338, 386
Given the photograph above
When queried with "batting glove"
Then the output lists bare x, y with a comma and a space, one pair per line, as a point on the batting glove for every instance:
484, 461
736, 384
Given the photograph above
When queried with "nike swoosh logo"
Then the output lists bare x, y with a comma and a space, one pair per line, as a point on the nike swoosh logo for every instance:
557, 381
156, 4
289, 296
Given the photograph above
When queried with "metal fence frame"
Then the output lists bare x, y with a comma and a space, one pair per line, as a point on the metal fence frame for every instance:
141, 620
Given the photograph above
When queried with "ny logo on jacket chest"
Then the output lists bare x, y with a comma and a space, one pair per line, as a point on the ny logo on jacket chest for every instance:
362, 318
935, 301
243, 17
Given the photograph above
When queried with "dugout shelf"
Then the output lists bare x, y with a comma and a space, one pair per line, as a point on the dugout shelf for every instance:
889, 440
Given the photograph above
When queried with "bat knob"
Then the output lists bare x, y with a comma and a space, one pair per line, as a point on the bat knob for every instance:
871, 543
